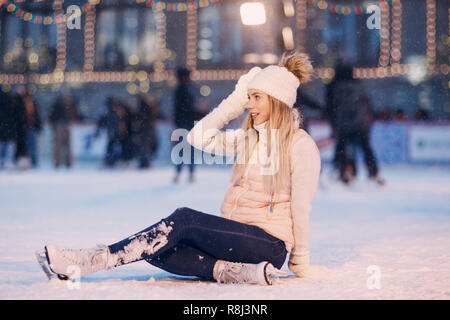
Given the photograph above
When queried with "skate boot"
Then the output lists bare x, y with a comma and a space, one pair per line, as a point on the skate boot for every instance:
75, 263
378, 180
263, 273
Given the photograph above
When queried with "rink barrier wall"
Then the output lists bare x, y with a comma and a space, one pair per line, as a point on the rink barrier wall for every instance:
393, 142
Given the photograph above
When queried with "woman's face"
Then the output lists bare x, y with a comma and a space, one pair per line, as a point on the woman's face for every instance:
258, 106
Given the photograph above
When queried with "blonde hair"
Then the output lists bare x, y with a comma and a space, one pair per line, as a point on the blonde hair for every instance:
285, 121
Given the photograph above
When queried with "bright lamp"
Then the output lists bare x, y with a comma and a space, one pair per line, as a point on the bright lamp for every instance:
253, 13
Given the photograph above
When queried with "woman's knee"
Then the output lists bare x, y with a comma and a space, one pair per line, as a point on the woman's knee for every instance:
180, 216
181, 211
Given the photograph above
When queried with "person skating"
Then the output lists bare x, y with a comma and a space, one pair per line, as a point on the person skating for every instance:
265, 212
8, 125
350, 115
63, 115
33, 124
125, 124
185, 115
145, 124
110, 122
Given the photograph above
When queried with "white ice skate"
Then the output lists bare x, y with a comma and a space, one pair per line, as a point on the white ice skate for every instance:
263, 273
72, 263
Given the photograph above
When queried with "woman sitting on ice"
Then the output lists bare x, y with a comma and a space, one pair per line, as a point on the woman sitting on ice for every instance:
265, 213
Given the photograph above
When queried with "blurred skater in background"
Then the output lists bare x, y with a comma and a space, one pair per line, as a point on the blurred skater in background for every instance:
63, 115
185, 115
350, 113
145, 124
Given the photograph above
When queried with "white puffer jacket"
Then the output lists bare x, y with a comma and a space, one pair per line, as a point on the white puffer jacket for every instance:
247, 202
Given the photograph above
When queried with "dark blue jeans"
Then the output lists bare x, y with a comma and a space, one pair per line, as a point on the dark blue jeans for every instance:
189, 243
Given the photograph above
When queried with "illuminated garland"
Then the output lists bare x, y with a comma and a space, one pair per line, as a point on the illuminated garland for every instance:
16, 11
345, 9
179, 6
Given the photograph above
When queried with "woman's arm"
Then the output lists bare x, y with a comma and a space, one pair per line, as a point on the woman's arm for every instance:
304, 180
206, 134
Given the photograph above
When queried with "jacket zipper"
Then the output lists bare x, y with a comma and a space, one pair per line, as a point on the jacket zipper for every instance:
245, 190
271, 203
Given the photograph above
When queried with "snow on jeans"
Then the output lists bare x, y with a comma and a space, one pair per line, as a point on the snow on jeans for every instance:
189, 242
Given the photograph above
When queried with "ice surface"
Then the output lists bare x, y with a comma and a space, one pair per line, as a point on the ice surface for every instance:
401, 233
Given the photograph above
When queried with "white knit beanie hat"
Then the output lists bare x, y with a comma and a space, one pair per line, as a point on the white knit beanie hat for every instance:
277, 82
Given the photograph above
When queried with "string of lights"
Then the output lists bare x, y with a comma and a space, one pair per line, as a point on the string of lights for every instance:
57, 18
301, 23
346, 9
385, 47
191, 40
60, 38
179, 6
89, 41
396, 52
431, 35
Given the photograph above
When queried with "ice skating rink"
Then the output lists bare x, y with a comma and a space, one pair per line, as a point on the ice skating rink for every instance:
390, 243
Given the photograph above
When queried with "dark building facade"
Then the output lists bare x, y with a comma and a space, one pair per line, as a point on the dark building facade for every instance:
127, 47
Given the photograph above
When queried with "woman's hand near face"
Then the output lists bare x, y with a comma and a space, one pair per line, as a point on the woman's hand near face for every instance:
241, 86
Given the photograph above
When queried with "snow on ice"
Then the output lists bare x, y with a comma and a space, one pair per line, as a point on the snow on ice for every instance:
390, 243
140, 245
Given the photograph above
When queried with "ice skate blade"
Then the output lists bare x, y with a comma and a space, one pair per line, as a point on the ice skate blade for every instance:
42, 259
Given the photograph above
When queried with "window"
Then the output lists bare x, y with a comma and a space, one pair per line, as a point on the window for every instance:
413, 30
26, 46
220, 39
107, 51
332, 36
442, 32
126, 37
